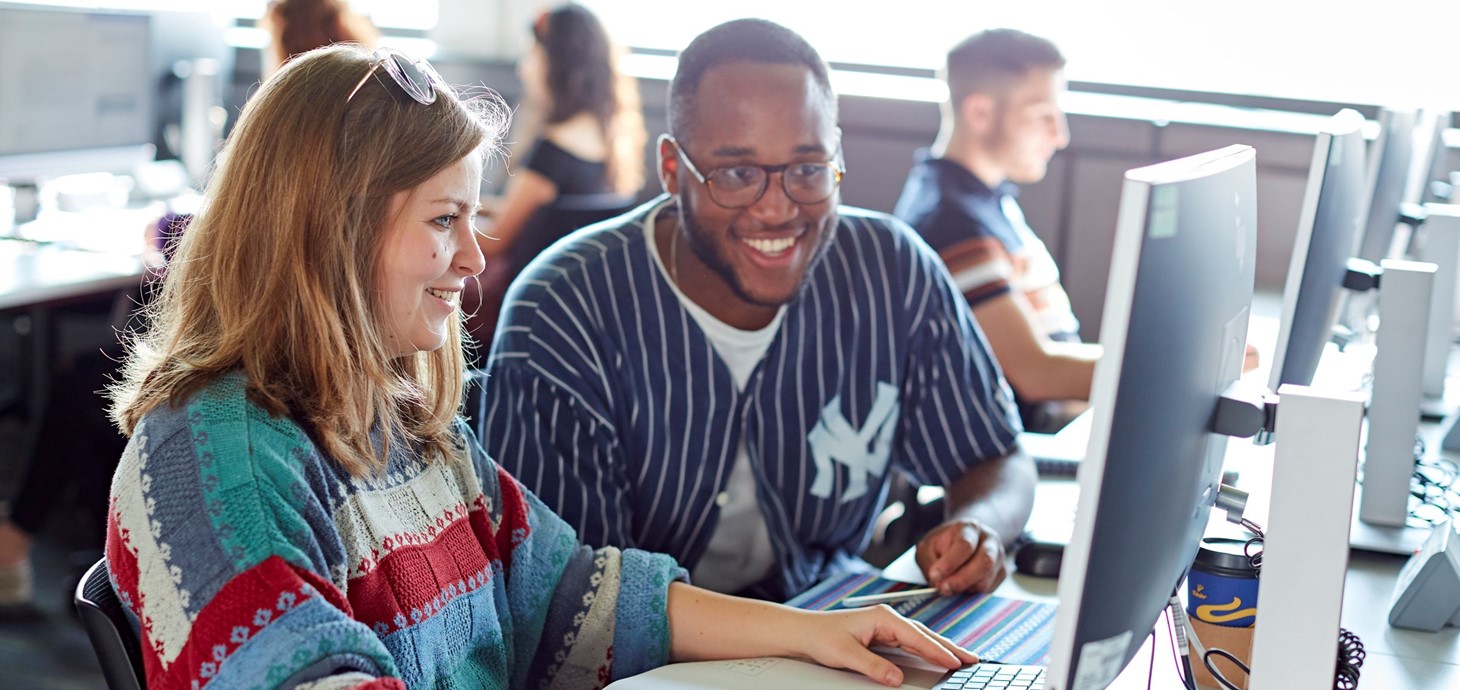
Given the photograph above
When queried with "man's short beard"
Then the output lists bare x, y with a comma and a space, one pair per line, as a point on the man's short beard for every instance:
717, 263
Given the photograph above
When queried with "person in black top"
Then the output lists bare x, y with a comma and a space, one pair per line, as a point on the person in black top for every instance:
590, 144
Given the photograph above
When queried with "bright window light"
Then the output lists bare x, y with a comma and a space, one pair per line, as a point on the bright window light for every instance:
1396, 52
387, 14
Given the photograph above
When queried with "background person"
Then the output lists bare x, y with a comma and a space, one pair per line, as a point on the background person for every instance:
589, 141
299, 26
1001, 125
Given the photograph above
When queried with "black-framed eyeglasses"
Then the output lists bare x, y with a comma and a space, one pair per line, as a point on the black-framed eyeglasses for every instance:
413, 75
739, 186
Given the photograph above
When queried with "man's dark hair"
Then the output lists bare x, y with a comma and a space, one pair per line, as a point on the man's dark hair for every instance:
741, 40
990, 60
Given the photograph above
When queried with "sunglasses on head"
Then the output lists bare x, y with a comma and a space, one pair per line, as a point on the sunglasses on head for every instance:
413, 75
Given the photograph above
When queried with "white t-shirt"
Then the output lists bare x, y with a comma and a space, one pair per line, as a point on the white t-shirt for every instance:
739, 553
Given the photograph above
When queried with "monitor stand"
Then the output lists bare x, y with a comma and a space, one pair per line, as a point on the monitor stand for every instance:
1364, 536
1393, 414
1441, 247
1304, 558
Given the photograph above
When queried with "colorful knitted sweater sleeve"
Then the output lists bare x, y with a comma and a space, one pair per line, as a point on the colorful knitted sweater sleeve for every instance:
251, 561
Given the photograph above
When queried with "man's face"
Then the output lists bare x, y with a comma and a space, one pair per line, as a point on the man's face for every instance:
754, 114
1027, 126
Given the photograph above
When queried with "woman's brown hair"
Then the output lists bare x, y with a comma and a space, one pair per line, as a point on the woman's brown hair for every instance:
276, 275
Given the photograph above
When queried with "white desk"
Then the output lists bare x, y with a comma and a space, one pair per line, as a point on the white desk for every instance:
34, 275
1396, 659
74, 255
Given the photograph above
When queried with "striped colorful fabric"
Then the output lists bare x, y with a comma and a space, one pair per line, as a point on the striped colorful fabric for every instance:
1010, 631
251, 560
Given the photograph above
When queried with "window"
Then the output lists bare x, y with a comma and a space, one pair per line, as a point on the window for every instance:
387, 14
1383, 52
418, 15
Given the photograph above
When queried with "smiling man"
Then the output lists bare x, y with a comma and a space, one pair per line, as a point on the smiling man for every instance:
730, 373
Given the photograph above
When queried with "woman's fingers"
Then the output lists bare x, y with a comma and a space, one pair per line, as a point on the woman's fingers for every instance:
915, 638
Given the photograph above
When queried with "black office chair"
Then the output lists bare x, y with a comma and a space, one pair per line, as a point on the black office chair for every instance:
558, 219
567, 213
111, 633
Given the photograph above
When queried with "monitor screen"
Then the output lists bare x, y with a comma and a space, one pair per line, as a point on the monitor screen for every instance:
1331, 214
76, 91
1434, 159
1174, 331
1387, 182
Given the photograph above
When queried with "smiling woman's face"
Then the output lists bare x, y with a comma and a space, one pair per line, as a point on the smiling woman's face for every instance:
429, 253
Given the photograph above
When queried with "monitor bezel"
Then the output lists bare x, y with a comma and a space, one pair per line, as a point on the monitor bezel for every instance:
1345, 123
1130, 238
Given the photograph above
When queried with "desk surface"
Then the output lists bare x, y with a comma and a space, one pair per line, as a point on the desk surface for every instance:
64, 255
32, 275
1397, 658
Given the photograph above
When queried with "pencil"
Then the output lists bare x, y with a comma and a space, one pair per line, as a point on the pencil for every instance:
888, 597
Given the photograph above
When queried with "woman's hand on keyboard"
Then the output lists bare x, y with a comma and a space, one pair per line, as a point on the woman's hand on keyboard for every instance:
840, 639
708, 625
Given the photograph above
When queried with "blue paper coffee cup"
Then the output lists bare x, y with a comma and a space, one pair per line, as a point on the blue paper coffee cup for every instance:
1221, 587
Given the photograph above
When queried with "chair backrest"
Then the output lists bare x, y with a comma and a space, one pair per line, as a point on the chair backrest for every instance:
558, 219
483, 298
111, 633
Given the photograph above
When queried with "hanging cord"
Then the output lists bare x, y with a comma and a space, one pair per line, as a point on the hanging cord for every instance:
1151, 670
1206, 659
1183, 638
1253, 548
1351, 652
1434, 490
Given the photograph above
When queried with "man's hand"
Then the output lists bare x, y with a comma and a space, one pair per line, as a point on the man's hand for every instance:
1250, 359
962, 555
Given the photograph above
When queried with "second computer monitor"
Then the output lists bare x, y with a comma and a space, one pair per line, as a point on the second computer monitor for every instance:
1174, 331
1331, 216
1387, 181
77, 91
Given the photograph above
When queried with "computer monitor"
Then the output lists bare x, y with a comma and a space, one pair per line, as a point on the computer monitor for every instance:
1331, 214
1387, 182
77, 91
1430, 164
1443, 167
1174, 331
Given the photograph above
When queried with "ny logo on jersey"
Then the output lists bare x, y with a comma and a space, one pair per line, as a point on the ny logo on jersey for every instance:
864, 451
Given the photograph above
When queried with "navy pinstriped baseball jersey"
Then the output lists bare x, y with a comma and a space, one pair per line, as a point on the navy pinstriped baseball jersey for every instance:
605, 398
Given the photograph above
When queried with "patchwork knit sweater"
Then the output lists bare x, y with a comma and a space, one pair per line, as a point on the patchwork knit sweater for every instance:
252, 561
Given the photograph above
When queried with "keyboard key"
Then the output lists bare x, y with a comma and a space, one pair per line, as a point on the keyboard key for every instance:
996, 677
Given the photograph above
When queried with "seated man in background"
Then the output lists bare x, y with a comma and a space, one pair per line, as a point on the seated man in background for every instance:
730, 373
1001, 125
